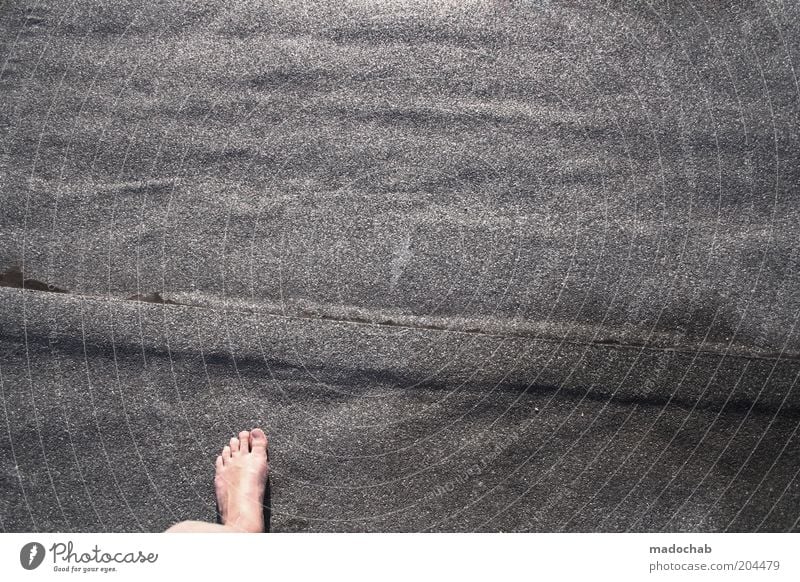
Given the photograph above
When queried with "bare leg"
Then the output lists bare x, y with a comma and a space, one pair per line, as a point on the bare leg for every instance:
198, 527
240, 481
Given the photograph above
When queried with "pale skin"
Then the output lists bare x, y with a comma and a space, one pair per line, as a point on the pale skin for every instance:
240, 481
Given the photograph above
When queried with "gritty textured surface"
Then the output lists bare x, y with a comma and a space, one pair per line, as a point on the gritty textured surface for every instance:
522, 265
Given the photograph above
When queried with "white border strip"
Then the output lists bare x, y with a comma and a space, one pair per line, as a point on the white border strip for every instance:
373, 557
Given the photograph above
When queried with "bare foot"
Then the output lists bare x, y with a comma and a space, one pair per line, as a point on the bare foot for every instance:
240, 481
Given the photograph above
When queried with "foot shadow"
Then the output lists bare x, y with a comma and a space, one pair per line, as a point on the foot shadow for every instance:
267, 508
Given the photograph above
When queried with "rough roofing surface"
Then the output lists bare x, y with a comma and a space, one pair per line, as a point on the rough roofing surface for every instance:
474, 266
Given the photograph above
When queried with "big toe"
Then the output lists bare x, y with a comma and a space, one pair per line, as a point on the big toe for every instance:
258, 440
